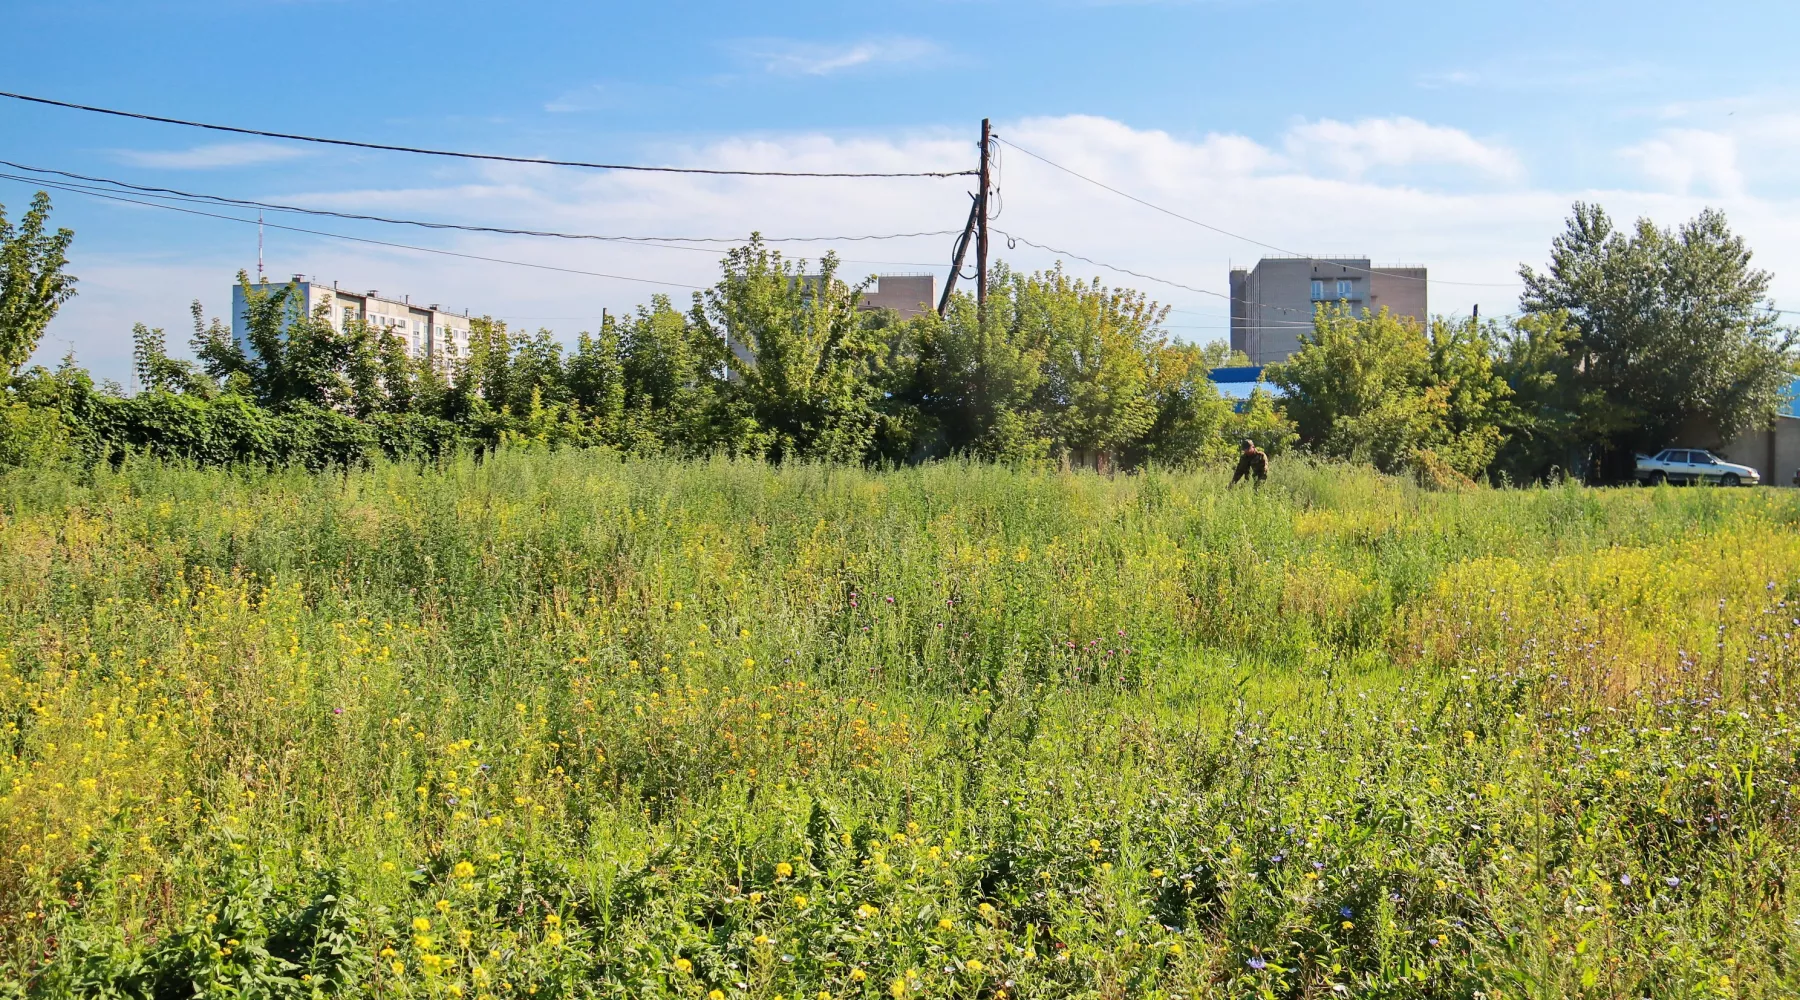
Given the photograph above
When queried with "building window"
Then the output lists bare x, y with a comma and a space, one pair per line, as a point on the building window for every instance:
1318, 290
1344, 289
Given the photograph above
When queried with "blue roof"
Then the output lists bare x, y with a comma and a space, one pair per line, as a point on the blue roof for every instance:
1241, 373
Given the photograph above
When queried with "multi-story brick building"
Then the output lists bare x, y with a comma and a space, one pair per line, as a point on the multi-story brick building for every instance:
1274, 302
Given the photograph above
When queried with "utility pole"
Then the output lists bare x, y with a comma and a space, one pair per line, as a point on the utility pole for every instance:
981, 232
977, 229
259, 247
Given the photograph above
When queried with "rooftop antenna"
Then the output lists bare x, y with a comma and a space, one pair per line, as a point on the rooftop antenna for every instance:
259, 248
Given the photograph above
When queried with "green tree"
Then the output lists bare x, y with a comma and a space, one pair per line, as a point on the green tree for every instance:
1055, 366
1468, 399
673, 367
292, 358
802, 354
487, 371
1097, 342
1550, 413
1260, 419
597, 379
32, 282
1379, 389
976, 377
370, 383
1191, 417
156, 371
537, 372
1673, 328
397, 376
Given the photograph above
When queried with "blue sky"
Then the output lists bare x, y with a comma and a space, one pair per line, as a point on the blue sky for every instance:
1454, 135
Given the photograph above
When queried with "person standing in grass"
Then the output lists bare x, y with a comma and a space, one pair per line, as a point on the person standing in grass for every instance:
1252, 462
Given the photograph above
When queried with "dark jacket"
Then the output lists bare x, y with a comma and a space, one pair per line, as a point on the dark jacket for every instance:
1254, 462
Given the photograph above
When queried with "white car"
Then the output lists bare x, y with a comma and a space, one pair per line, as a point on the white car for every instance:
1693, 465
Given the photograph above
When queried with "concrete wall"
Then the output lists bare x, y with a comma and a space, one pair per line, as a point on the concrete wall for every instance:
1277, 305
1240, 310
1276, 301
1774, 452
1273, 303
1401, 290
907, 294
307, 298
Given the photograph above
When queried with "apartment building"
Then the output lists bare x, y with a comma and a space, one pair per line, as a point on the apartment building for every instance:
1273, 303
426, 330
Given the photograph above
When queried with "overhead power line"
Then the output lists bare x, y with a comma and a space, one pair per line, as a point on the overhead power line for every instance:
1012, 238
482, 156
1264, 324
1239, 236
501, 230
340, 236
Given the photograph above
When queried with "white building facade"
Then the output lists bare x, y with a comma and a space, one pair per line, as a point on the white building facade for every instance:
427, 331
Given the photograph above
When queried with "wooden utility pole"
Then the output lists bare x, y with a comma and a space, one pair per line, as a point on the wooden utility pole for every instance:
981, 214
977, 228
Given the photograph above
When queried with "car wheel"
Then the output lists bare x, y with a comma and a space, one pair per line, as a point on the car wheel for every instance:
1729, 479
1658, 477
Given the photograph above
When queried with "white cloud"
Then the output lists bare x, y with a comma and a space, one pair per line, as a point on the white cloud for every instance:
791, 57
1684, 161
224, 154
1356, 148
1539, 72
607, 95
1281, 199
596, 97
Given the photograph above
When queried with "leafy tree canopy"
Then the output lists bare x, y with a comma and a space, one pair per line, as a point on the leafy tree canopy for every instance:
1671, 327
33, 284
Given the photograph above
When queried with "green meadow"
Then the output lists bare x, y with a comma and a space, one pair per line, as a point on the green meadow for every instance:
557, 724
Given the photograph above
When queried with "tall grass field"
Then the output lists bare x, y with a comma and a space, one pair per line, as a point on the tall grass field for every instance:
560, 725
